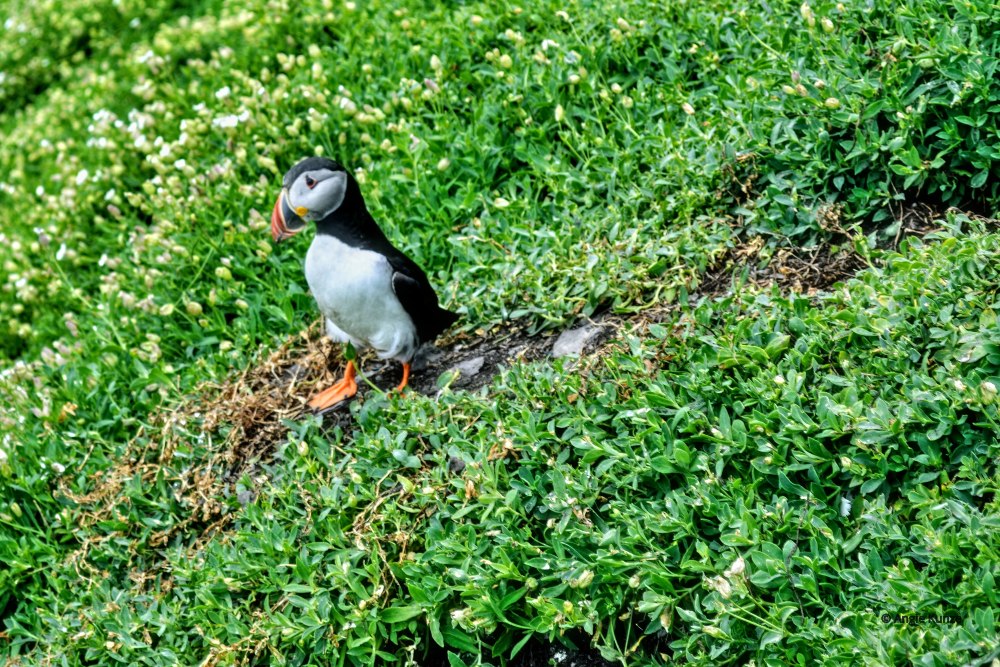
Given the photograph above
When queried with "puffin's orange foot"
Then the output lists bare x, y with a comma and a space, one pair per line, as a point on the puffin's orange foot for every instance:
406, 378
341, 391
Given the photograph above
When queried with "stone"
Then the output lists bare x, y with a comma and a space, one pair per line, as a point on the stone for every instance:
470, 367
573, 341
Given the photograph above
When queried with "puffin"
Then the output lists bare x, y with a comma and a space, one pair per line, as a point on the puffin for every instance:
371, 295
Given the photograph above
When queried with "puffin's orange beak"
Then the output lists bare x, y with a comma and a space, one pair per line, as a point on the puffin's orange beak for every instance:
284, 221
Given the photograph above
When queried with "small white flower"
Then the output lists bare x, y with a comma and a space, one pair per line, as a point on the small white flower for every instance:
688, 109
61, 253
546, 43
737, 568
348, 105
722, 585
82, 176
959, 385
500, 202
560, 113
779, 380
443, 164
232, 120
58, 468
223, 93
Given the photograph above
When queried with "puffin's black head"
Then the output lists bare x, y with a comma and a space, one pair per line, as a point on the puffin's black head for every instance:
311, 190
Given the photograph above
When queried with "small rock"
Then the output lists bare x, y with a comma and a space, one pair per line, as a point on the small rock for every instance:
573, 341
455, 465
470, 367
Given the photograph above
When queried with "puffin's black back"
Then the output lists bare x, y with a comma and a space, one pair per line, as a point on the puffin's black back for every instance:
353, 225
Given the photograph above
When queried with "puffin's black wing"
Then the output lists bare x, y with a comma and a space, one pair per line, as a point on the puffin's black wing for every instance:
418, 298
409, 282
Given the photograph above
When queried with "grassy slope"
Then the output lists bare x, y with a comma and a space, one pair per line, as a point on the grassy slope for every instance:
613, 500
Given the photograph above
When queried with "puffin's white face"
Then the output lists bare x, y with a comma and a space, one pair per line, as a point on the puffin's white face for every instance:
313, 195
316, 194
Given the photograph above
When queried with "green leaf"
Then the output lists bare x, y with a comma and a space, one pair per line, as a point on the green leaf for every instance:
400, 614
791, 487
770, 637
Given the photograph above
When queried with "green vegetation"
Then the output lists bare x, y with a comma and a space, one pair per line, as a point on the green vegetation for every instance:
760, 476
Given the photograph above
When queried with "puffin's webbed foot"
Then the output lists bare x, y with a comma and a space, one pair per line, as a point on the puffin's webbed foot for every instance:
341, 391
406, 378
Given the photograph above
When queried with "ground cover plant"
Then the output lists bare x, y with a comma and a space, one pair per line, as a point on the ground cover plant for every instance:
775, 474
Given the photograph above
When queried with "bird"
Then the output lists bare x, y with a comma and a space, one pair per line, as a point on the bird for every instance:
370, 293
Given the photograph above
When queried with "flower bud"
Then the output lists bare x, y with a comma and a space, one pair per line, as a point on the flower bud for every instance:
807, 14
584, 580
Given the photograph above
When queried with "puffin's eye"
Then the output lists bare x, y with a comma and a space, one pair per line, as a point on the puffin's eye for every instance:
310, 182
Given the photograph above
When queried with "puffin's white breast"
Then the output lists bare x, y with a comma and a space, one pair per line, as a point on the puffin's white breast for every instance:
353, 289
